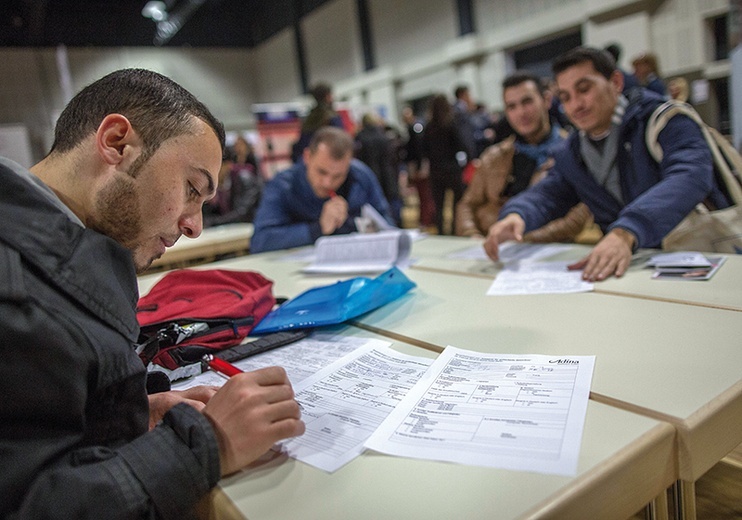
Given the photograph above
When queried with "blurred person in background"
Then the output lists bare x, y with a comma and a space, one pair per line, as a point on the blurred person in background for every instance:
446, 154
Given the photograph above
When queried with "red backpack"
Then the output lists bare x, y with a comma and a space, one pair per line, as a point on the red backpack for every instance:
189, 313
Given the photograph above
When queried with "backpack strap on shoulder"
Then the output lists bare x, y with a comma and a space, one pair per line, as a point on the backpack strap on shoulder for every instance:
722, 156
658, 120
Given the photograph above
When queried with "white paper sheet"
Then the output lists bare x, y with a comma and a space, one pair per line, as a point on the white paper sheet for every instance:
512, 252
522, 251
512, 411
679, 259
370, 213
538, 278
344, 403
300, 359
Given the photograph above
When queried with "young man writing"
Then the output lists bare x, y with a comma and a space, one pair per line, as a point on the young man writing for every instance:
134, 158
606, 165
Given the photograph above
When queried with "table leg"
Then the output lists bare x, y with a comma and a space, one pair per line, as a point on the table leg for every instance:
684, 500
658, 508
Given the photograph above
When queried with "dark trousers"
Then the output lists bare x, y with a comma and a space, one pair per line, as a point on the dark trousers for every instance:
439, 183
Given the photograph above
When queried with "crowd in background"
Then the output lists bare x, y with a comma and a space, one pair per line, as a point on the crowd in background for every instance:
429, 154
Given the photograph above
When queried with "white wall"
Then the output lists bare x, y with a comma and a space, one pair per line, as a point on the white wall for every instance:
417, 52
31, 93
333, 42
632, 32
278, 76
410, 29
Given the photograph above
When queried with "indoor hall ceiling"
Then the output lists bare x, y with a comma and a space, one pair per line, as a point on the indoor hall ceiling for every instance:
115, 23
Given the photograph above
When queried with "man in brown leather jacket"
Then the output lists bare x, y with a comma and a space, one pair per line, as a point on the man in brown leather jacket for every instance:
519, 161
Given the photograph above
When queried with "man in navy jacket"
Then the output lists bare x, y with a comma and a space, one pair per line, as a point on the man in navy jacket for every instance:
635, 200
320, 196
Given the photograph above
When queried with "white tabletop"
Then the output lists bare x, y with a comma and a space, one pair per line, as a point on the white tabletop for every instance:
625, 460
723, 291
671, 361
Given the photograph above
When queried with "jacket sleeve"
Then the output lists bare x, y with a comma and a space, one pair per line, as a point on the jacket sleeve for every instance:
686, 178
273, 226
369, 192
482, 200
563, 229
160, 474
549, 199
379, 202
55, 465
471, 201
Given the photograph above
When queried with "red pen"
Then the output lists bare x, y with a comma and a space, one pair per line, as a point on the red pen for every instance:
220, 366
333, 194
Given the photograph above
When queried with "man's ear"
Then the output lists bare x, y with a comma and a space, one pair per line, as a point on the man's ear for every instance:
616, 80
113, 136
548, 96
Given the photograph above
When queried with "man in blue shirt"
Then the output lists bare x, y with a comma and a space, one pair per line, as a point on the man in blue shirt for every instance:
322, 195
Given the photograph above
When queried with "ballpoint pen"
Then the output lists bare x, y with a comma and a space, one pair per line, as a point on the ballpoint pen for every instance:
220, 366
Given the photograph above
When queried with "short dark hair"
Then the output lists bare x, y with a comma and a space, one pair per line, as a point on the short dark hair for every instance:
320, 92
460, 91
338, 141
614, 50
522, 76
601, 60
156, 106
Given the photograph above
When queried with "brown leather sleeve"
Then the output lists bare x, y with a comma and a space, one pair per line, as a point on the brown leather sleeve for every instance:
563, 229
473, 198
479, 206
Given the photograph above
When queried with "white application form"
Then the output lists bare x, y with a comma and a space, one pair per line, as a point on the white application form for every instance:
300, 359
519, 412
344, 403
512, 252
538, 278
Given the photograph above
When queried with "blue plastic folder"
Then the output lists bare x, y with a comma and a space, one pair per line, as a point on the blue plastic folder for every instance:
336, 303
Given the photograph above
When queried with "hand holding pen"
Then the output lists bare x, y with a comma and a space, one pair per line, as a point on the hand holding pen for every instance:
250, 413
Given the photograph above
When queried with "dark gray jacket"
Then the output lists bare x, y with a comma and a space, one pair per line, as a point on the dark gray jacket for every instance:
73, 407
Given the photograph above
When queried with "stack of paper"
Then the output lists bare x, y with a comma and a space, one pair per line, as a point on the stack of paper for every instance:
361, 252
684, 265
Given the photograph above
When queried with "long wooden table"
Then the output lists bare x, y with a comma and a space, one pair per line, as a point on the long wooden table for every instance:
625, 461
669, 360
723, 291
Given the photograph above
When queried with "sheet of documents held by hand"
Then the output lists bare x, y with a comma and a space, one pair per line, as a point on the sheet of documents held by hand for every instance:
538, 278
360, 252
344, 403
512, 411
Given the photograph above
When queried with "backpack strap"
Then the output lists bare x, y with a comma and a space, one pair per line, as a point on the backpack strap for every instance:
721, 150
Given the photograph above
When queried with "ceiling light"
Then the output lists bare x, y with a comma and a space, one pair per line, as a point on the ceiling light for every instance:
155, 10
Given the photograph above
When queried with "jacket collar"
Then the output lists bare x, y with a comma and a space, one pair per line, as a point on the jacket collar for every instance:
92, 269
